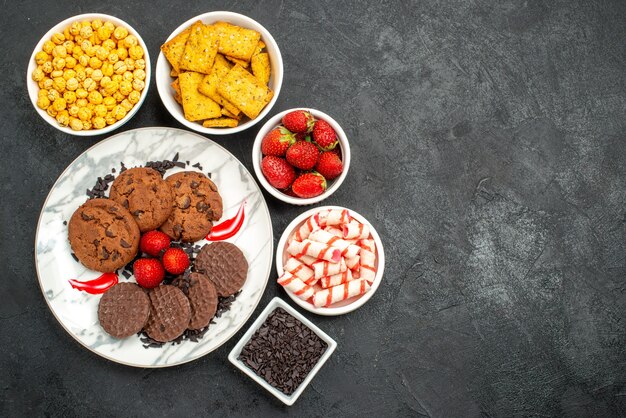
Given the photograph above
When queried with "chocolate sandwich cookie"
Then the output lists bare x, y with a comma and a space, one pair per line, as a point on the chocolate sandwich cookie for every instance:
225, 265
145, 194
202, 297
123, 310
197, 204
169, 313
103, 235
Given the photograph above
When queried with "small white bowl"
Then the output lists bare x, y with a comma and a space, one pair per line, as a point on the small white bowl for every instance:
234, 354
33, 87
163, 68
344, 306
332, 185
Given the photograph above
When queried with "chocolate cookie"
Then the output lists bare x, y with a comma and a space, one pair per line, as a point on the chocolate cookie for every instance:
197, 204
103, 235
202, 297
225, 265
169, 313
123, 310
145, 194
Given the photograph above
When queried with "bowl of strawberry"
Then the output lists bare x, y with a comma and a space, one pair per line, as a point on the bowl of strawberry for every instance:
301, 156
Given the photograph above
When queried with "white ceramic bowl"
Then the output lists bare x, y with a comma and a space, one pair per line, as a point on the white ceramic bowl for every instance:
163, 68
332, 185
33, 87
344, 306
234, 354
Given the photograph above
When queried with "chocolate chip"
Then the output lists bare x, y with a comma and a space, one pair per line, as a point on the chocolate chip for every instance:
178, 229
175, 158
85, 216
283, 351
96, 242
198, 166
138, 213
125, 203
105, 253
64, 222
112, 209
124, 244
194, 184
184, 204
177, 184
109, 233
129, 181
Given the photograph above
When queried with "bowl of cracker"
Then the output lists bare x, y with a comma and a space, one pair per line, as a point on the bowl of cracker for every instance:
219, 73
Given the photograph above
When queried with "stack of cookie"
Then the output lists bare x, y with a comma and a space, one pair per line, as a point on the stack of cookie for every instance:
105, 235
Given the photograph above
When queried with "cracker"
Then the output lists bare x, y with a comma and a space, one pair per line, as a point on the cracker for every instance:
220, 123
245, 91
259, 48
173, 73
200, 49
226, 113
243, 63
261, 67
176, 86
174, 48
196, 105
235, 41
209, 83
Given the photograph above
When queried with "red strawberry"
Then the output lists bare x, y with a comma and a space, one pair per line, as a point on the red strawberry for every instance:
277, 141
336, 151
153, 242
329, 165
309, 185
289, 192
302, 155
175, 261
299, 121
149, 272
324, 135
277, 171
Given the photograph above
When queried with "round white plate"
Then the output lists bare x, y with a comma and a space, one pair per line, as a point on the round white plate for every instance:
77, 311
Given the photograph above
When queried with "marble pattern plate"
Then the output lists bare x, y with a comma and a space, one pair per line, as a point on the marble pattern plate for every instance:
77, 311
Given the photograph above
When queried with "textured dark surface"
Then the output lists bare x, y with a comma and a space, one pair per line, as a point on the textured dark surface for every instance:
488, 150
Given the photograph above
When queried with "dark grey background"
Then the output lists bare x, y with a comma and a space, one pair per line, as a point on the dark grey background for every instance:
488, 151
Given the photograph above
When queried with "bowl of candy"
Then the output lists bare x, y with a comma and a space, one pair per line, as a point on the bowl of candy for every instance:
330, 260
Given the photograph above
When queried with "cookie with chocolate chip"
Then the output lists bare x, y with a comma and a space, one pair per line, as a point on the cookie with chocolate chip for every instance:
103, 235
145, 194
197, 204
